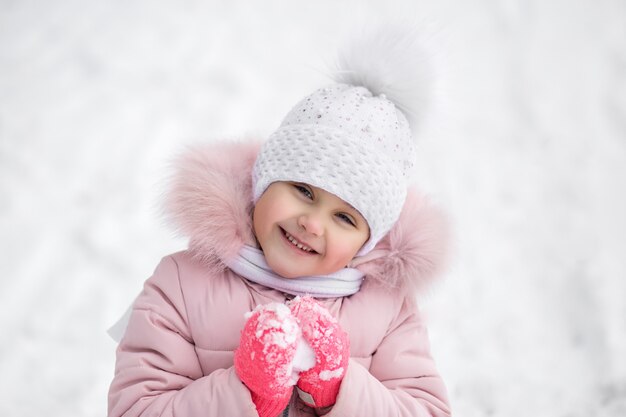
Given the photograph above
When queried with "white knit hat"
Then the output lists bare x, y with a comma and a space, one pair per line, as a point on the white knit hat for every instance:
352, 139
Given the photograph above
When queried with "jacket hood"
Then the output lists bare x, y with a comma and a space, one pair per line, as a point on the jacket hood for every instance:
209, 200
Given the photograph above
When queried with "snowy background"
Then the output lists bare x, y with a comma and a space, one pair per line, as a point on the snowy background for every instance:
526, 151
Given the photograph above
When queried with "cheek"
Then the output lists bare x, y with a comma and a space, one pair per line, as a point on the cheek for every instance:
260, 220
343, 250
266, 213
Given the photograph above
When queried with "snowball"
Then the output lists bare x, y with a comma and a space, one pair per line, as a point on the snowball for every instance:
303, 360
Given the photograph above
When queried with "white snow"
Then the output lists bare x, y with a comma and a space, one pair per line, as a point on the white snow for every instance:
527, 153
276, 316
303, 360
327, 375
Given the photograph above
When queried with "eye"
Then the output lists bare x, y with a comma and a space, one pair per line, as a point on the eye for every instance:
346, 218
304, 191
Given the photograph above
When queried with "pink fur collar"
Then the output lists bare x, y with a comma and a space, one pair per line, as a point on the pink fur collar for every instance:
209, 200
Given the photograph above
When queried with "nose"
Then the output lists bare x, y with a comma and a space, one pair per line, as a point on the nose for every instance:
311, 223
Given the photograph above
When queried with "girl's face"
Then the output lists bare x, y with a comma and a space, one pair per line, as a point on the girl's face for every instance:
304, 230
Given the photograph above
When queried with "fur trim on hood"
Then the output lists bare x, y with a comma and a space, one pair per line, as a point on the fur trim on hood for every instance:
209, 200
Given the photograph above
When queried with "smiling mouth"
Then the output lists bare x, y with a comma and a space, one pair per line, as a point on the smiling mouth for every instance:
296, 243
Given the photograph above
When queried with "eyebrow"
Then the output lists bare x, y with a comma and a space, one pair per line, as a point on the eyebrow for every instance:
352, 208
343, 202
357, 212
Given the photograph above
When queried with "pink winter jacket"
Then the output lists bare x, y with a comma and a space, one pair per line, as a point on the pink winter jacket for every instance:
176, 357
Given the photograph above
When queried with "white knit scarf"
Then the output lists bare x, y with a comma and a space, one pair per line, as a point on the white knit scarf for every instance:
250, 263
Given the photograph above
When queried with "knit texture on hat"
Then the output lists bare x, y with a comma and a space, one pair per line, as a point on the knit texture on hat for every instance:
347, 142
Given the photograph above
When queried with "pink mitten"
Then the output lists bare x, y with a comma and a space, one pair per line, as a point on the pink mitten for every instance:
332, 351
263, 360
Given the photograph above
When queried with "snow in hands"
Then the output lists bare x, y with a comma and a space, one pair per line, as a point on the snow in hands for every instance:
331, 347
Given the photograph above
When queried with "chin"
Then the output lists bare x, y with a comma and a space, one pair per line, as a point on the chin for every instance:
288, 274
283, 271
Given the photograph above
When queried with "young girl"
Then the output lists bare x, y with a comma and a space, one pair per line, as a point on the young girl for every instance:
297, 293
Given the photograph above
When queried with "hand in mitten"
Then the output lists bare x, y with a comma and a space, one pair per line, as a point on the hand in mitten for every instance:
331, 347
264, 358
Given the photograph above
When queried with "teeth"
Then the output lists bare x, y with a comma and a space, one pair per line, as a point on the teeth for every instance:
298, 244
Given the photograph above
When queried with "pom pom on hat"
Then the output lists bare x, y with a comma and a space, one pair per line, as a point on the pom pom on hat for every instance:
353, 138
391, 60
